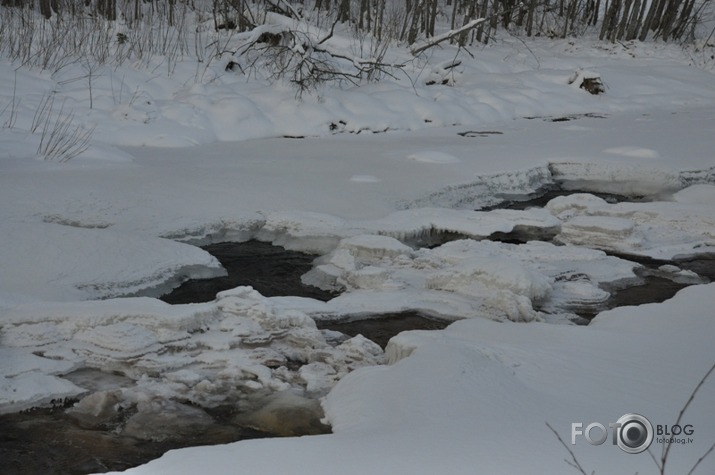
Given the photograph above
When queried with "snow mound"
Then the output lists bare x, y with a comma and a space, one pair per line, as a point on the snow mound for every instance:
636, 152
433, 157
364, 179
696, 194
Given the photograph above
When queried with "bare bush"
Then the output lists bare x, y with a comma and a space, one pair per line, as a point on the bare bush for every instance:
61, 139
304, 60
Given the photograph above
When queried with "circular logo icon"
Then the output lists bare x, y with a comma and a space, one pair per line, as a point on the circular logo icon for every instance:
634, 433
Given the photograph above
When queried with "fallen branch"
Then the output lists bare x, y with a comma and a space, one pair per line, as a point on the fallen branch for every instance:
435, 40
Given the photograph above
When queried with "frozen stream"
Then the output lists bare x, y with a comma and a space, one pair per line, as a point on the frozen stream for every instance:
121, 439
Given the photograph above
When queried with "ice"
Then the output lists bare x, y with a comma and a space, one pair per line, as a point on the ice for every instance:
486, 189
209, 354
566, 206
601, 232
373, 247
661, 229
33, 389
96, 409
425, 225
629, 179
463, 278
303, 231
286, 414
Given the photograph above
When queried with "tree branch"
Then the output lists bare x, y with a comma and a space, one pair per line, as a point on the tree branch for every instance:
435, 40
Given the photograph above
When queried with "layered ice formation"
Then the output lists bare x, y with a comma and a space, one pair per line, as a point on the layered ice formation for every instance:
207, 354
680, 228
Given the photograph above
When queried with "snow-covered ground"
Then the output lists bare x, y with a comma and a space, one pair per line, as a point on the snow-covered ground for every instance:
174, 164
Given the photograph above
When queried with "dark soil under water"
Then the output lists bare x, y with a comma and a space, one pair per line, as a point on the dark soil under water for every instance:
47, 442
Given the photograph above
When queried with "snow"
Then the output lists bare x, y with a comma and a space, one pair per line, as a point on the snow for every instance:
429, 156
384, 170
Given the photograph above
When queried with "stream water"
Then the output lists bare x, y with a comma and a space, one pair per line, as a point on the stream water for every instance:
47, 441
271, 270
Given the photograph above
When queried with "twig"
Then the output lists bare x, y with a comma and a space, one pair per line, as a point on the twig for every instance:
574, 463
667, 446
332, 30
704, 456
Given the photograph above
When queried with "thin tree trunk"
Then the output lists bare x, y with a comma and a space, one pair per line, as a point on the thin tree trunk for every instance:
530, 18
46, 9
626, 14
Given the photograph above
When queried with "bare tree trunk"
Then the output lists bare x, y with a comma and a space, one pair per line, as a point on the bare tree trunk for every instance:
668, 20
482, 14
634, 24
657, 19
686, 17
107, 9
414, 25
380, 18
608, 19
648, 23
46, 9
344, 11
596, 10
432, 18
624, 20
530, 18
